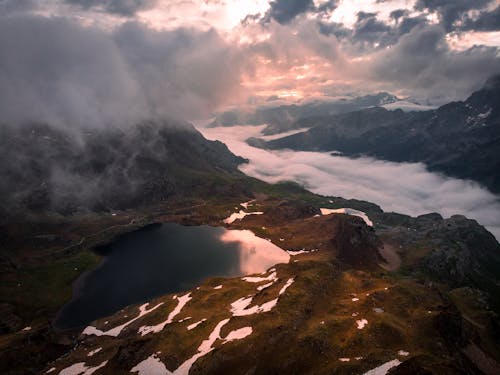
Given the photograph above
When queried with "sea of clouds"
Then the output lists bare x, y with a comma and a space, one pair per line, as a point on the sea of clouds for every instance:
407, 188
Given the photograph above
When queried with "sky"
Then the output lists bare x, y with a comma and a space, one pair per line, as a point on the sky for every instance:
86, 62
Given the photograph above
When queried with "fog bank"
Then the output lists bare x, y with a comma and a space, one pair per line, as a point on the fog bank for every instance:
400, 187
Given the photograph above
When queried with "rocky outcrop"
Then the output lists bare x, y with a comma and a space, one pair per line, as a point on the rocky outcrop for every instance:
424, 365
356, 243
464, 254
290, 210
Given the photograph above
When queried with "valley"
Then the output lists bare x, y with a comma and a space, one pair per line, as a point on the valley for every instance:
459, 139
266, 187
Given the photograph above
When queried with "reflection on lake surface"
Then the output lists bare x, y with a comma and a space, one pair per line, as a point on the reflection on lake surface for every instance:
161, 259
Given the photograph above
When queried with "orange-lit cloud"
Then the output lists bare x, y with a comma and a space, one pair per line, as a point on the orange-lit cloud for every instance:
318, 49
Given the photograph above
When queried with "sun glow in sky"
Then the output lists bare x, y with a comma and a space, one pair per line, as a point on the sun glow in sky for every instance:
232, 52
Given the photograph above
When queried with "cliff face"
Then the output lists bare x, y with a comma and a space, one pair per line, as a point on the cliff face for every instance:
356, 243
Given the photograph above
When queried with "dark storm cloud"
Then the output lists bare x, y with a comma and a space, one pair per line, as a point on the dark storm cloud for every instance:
370, 33
423, 63
406, 24
122, 7
451, 11
365, 15
368, 28
16, 6
328, 6
181, 71
398, 13
334, 28
52, 70
284, 11
487, 21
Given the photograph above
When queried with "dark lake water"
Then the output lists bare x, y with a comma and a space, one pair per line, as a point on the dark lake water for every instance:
161, 259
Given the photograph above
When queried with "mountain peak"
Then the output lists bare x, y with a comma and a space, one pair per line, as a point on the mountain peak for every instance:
492, 83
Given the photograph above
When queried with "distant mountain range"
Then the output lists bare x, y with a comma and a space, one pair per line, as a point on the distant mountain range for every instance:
460, 139
284, 117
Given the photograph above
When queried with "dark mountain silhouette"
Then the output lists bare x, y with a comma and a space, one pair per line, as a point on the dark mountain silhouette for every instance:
460, 139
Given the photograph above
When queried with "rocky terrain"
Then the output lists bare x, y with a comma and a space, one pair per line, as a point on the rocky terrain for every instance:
364, 290
460, 139
334, 308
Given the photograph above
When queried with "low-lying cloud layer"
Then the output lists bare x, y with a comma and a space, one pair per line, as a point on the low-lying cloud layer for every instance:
399, 187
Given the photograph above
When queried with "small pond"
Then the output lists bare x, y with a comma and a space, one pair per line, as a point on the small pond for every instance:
161, 259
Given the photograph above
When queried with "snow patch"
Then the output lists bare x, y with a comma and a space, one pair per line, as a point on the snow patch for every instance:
361, 323
218, 287
282, 135
407, 106
80, 369
484, 115
239, 215
151, 366
262, 287
250, 279
383, 369
347, 211
95, 351
90, 330
144, 330
285, 287
246, 204
194, 325
238, 334
240, 307
403, 353
303, 251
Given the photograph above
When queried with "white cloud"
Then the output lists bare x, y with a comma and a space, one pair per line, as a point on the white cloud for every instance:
400, 187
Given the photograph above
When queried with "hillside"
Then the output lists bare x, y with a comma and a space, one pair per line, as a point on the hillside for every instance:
341, 304
460, 139
48, 169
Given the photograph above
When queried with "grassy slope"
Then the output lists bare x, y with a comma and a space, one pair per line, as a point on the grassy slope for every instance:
322, 292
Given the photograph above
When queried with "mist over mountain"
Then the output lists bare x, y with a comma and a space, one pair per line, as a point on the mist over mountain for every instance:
282, 118
63, 73
133, 240
45, 168
460, 139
